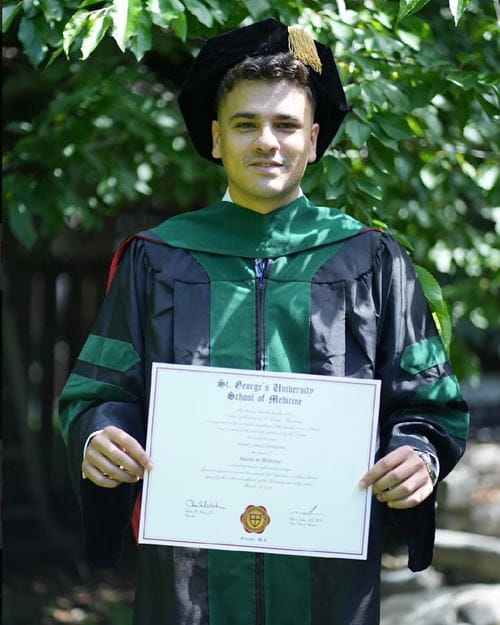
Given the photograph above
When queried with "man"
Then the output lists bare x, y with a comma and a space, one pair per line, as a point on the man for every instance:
263, 279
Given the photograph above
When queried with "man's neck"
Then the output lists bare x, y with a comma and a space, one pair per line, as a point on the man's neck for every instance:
263, 209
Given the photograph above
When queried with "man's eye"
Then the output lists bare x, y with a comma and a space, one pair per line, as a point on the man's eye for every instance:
244, 125
288, 126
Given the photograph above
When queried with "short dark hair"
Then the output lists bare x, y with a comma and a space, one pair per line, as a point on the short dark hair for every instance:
274, 67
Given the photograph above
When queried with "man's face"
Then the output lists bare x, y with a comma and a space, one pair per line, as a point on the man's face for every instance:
265, 136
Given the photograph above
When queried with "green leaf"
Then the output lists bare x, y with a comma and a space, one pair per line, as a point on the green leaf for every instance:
407, 7
333, 192
98, 23
410, 39
431, 177
357, 132
395, 126
457, 8
366, 64
382, 137
200, 11
487, 176
396, 97
416, 128
382, 157
373, 93
164, 11
334, 171
369, 188
87, 3
32, 41
126, 16
431, 287
422, 94
487, 106
30, 8
362, 113
257, 7
352, 92
437, 304
54, 56
464, 80
179, 25
142, 41
311, 179
73, 29
52, 9
177, 6
9, 13
21, 222
220, 13
379, 224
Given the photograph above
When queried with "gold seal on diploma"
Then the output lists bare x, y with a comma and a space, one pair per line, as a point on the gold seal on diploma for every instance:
255, 519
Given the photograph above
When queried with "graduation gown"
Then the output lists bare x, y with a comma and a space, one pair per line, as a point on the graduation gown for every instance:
304, 289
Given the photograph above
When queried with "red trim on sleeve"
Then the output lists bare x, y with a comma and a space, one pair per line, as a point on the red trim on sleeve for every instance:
136, 516
113, 268
115, 261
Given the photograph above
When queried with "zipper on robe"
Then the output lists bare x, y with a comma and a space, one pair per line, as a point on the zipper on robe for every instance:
260, 275
261, 269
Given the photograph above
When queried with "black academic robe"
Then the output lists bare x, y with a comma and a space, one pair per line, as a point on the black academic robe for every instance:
305, 289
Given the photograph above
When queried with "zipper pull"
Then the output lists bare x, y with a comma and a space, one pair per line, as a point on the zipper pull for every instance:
261, 265
260, 270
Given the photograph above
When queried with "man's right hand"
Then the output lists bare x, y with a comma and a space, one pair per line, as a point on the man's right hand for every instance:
114, 457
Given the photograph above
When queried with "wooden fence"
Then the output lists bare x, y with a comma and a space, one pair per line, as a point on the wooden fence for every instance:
48, 311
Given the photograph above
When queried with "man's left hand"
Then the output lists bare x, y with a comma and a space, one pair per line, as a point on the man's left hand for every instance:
400, 479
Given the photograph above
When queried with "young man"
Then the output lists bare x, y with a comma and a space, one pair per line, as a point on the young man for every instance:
263, 279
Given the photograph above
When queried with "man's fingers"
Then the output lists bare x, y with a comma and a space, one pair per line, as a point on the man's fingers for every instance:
414, 499
123, 441
105, 456
385, 465
114, 468
405, 489
113, 457
399, 479
400, 475
94, 475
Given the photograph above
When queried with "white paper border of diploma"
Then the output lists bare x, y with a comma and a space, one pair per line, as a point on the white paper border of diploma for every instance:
259, 461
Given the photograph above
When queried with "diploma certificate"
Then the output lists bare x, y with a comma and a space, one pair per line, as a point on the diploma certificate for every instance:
259, 461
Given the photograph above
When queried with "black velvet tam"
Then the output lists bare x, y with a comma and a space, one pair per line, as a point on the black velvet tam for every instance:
219, 54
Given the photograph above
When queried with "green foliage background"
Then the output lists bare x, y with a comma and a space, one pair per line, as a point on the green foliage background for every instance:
92, 127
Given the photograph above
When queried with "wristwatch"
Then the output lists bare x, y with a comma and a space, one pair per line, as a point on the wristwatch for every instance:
427, 460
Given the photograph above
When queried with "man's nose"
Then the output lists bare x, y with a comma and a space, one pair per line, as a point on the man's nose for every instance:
266, 140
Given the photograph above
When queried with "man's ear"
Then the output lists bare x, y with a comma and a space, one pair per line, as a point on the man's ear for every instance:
216, 153
314, 140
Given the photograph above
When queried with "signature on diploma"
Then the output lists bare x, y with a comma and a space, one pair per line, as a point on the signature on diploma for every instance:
312, 512
204, 504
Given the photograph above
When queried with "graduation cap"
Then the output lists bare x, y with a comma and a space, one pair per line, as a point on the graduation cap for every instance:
219, 54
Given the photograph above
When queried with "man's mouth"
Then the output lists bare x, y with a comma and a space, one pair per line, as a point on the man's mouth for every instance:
266, 165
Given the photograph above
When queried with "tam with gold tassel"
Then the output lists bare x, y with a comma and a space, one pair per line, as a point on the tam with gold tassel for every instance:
303, 48
198, 96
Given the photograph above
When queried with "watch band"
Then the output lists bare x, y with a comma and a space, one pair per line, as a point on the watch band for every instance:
426, 458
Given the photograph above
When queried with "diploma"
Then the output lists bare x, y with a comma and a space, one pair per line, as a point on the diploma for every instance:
259, 461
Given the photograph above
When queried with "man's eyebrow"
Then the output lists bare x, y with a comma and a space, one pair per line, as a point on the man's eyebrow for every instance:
250, 115
293, 118
245, 114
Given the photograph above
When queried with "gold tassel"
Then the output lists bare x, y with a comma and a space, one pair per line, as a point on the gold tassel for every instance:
303, 48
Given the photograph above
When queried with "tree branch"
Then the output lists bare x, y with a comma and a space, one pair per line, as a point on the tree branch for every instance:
496, 4
342, 8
